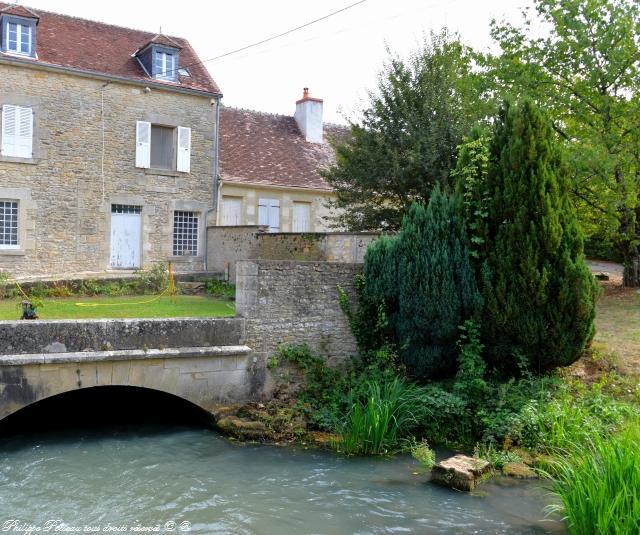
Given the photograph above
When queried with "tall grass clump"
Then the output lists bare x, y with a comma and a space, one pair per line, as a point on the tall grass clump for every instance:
379, 417
599, 484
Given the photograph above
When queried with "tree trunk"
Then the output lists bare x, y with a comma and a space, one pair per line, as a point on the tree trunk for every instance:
631, 275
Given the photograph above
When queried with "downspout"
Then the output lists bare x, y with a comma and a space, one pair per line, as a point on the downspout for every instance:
216, 181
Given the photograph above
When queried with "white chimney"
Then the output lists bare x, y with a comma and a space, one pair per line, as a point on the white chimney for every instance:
309, 117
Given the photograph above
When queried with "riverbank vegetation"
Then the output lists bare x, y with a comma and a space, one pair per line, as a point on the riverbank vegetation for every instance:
468, 320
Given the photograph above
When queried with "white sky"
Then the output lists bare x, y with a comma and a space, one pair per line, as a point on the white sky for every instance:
338, 58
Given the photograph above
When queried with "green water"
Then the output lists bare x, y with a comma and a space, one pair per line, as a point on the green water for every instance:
168, 478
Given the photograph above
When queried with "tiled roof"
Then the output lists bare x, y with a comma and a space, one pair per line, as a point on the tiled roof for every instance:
265, 149
105, 49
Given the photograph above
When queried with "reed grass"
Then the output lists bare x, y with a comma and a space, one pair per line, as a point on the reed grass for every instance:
375, 424
598, 482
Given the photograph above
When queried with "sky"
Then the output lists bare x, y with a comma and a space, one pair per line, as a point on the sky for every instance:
338, 58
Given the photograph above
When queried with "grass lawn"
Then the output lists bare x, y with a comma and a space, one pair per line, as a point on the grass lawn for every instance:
618, 325
137, 306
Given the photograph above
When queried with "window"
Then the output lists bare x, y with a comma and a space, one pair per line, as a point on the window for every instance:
8, 224
163, 147
301, 217
17, 131
185, 233
231, 211
19, 38
164, 65
269, 214
162, 156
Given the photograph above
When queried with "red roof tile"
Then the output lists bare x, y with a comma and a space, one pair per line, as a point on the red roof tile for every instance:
108, 50
18, 11
265, 149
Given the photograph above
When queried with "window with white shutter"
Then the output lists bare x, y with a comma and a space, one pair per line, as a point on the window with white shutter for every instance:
231, 211
301, 217
17, 131
184, 149
269, 214
143, 144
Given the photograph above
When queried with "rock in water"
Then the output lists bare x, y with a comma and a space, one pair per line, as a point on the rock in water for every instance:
459, 472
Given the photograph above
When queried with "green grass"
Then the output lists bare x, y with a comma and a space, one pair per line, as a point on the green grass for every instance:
599, 484
136, 306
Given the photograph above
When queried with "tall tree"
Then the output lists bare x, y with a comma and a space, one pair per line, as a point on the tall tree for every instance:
408, 136
539, 294
585, 70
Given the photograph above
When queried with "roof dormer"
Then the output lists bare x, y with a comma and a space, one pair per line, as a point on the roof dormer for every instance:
18, 31
160, 58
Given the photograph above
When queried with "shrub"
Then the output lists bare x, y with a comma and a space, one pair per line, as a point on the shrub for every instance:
221, 289
599, 484
539, 294
425, 281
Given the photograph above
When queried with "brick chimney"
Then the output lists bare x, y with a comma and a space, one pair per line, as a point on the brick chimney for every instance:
309, 117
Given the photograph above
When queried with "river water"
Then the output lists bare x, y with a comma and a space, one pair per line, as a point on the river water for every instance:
178, 477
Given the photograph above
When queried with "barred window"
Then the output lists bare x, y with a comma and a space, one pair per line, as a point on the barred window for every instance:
125, 209
9, 224
185, 234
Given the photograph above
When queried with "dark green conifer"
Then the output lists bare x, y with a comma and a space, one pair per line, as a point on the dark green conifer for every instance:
539, 294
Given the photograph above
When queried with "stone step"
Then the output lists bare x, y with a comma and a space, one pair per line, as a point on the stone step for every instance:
124, 354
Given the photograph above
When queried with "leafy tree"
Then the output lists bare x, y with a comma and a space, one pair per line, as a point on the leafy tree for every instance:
539, 294
585, 71
408, 137
425, 279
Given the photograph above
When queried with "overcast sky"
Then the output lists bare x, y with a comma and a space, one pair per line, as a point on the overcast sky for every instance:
338, 58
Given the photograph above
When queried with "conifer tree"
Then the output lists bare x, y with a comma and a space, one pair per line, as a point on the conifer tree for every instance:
539, 294
425, 278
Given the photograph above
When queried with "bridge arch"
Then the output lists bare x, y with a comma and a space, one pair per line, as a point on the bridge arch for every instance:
205, 377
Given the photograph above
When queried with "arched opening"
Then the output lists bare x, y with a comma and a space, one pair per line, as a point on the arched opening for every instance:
105, 407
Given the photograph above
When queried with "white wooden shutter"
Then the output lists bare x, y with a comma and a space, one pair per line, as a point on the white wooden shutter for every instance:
184, 149
143, 144
301, 217
17, 131
25, 133
231, 211
9, 129
269, 214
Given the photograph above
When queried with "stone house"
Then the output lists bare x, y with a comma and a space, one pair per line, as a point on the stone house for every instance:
108, 147
269, 168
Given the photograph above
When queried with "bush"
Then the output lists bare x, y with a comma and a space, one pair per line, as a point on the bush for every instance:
221, 289
538, 291
599, 484
425, 281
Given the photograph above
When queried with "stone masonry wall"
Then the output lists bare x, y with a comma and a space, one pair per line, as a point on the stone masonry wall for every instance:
64, 192
227, 245
287, 302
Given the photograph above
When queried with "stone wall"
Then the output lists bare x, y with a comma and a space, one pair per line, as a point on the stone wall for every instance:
55, 336
287, 302
66, 190
227, 245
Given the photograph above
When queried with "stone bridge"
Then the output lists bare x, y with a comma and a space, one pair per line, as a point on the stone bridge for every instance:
207, 361
201, 360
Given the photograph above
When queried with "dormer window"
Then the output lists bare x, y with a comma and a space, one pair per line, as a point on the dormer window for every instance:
18, 35
160, 58
19, 38
164, 65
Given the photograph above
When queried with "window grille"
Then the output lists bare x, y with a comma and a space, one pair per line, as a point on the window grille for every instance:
185, 234
9, 224
125, 209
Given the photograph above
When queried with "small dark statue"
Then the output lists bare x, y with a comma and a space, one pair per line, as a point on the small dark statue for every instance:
29, 312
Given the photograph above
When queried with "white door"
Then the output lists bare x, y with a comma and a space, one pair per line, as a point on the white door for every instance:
126, 226
269, 214
301, 216
231, 211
